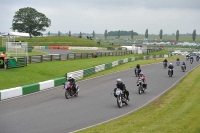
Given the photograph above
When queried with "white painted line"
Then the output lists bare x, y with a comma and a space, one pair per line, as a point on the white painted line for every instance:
140, 106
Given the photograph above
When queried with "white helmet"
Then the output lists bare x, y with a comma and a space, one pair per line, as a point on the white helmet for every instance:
119, 80
170, 63
141, 72
70, 76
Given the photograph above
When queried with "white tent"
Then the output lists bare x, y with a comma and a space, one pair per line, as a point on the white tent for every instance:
16, 34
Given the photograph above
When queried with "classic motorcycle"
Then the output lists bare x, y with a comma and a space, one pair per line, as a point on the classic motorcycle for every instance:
170, 72
191, 60
164, 64
141, 86
137, 72
197, 58
69, 91
187, 58
177, 63
183, 68
121, 97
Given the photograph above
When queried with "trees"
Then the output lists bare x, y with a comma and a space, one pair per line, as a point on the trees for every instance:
69, 33
80, 35
194, 35
177, 35
59, 33
118, 34
105, 34
122, 33
132, 34
146, 33
161, 34
29, 20
93, 34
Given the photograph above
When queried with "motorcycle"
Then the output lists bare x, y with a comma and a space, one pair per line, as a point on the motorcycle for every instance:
191, 60
141, 86
137, 72
170, 72
69, 91
164, 64
183, 68
187, 58
177, 63
197, 58
121, 97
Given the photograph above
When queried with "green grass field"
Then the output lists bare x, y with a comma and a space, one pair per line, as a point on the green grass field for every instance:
175, 112
58, 41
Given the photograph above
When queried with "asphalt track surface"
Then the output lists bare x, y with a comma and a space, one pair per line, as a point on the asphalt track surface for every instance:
50, 112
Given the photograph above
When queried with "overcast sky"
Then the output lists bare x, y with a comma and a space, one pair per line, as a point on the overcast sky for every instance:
87, 16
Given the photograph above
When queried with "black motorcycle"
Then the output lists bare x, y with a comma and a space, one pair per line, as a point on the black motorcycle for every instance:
165, 65
170, 72
183, 68
137, 72
191, 60
197, 58
121, 97
178, 62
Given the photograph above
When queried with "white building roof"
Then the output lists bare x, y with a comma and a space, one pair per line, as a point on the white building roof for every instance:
16, 34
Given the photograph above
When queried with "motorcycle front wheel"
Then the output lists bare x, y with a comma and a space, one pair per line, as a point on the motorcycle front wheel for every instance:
170, 74
119, 101
140, 89
76, 94
67, 94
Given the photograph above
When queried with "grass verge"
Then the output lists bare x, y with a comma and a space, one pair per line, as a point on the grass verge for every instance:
175, 112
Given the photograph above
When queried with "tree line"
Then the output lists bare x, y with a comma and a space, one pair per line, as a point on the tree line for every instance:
29, 20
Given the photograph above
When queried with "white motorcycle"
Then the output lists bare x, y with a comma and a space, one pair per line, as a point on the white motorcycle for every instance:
121, 98
141, 86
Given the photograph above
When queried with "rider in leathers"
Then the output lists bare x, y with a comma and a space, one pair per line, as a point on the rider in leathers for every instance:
72, 82
141, 76
184, 64
171, 67
122, 87
137, 68
165, 61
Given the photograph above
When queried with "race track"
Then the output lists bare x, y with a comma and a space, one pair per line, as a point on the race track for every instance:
50, 112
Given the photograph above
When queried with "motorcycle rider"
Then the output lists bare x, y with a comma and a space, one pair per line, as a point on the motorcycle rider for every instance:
197, 55
191, 58
165, 61
184, 64
72, 81
122, 87
171, 67
141, 76
137, 68
177, 61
